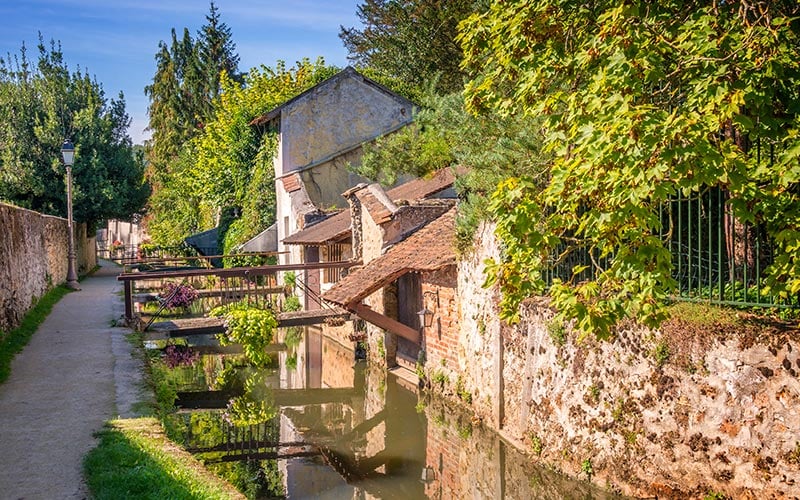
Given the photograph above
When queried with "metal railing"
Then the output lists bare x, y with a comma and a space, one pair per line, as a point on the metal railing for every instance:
716, 257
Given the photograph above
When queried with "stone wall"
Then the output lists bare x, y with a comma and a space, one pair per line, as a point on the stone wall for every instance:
675, 413
33, 258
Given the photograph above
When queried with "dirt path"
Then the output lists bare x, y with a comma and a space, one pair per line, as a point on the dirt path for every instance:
76, 373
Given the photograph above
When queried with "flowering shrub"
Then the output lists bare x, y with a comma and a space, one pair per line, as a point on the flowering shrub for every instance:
178, 295
179, 355
116, 246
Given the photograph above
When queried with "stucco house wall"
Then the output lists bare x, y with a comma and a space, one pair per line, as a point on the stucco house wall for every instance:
320, 132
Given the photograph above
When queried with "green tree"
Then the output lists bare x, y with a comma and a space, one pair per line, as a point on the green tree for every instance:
228, 167
46, 104
444, 134
216, 53
412, 40
186, 81
639, 102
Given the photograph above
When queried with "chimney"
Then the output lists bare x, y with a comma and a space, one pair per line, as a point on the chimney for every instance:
356, 228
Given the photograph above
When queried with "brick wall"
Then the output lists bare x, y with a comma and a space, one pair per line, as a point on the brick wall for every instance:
440, 340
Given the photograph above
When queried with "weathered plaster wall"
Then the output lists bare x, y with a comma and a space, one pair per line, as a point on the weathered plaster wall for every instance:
335, 117
480, 339
33, 258
326, 182
676, 414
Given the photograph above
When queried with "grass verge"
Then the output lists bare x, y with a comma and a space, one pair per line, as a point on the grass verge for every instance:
134, 459
16, 339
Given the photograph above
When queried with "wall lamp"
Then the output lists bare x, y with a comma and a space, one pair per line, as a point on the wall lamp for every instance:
425, 318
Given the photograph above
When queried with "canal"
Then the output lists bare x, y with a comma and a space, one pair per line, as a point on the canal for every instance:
315, 423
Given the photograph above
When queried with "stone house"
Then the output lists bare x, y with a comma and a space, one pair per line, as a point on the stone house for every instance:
330, 240
406, 290
320, 133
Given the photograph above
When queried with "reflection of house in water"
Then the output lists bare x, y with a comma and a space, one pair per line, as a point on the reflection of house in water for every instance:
350, 431
372, 444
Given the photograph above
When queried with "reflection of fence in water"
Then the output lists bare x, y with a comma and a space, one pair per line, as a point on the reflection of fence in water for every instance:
251, 442
715, 257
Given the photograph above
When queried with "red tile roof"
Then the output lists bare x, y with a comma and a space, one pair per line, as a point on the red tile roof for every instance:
333, 229
428, 249
419, 189
291, 183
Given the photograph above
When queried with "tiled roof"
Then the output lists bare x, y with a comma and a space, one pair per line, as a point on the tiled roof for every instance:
428, 249
376, 203
334, 228
419, 189
337, 227
291, 183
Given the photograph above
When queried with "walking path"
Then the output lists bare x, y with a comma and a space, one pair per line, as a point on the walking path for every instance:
76, 372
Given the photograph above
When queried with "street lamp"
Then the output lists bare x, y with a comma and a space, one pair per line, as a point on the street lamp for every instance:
68, 152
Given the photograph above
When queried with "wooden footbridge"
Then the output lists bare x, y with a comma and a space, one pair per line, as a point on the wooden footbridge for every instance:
188, 327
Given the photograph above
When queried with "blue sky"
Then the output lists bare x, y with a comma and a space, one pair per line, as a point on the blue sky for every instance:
116, 40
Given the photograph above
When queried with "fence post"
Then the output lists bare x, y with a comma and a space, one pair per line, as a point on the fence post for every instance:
128, 300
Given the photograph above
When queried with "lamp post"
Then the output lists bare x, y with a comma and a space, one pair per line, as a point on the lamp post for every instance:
68, 152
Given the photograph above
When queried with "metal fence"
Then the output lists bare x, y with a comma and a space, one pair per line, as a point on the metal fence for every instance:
716, 257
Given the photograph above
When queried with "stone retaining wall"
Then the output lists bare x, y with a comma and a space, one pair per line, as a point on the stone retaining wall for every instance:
677, 413
33, 258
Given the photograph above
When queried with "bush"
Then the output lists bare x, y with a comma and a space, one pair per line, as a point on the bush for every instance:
178, 295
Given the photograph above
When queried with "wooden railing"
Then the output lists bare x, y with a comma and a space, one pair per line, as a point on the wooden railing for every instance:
216, 286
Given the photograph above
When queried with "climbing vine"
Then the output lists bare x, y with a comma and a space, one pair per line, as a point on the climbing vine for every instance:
640, 102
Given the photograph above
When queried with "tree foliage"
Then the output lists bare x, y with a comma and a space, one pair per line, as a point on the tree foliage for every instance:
43, 104
444, 134
412, 40
186, 81
640, 101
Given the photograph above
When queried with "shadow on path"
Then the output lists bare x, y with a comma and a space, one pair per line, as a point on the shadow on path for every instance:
76, 372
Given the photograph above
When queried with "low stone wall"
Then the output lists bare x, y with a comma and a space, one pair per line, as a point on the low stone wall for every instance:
675, 413
33, 258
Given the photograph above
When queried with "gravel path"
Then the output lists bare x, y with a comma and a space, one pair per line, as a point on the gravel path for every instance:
75, 373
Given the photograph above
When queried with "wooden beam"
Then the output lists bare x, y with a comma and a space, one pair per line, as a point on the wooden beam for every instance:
364, 312
128, 300
312, 317
185, 327
236, 271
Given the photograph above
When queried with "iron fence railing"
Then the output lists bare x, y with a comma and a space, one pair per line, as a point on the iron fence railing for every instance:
716, 257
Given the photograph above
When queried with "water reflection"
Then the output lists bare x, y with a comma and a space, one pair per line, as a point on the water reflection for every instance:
317, 424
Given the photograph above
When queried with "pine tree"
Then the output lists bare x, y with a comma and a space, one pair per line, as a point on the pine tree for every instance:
186, 81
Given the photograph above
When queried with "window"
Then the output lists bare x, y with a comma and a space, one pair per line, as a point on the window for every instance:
333, 253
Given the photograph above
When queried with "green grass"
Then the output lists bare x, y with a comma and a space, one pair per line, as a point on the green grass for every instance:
18, 338
135, 460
